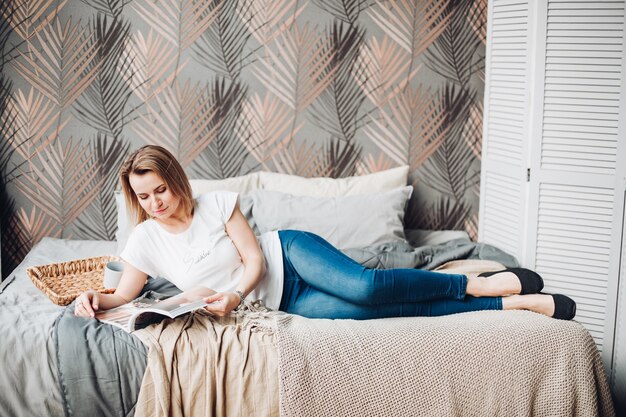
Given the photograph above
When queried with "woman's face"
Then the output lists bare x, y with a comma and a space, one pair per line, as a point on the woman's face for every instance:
154, 195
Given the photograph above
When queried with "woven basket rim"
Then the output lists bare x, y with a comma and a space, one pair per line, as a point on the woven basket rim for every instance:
79, 272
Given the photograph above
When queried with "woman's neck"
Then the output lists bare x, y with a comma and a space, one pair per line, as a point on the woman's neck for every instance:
176, 223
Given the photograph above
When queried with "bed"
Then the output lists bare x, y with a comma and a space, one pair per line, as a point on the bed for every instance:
265, 363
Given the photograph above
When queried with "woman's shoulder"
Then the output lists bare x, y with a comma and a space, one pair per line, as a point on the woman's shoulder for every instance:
215, 198
144, 228
217, 204
140, 234
216, 194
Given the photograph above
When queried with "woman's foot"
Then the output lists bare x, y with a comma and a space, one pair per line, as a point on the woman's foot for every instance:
503, 283
530, 281
552, 305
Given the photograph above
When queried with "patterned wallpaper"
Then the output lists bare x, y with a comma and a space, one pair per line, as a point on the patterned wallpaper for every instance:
308, 87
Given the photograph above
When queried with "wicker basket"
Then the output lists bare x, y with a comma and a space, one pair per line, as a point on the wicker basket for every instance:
63, 282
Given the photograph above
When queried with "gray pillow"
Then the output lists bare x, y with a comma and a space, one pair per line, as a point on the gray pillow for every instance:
346, 222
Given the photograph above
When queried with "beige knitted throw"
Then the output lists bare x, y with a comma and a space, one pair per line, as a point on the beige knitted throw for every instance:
489, 363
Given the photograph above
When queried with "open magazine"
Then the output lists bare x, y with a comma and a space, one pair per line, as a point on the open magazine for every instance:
143, 311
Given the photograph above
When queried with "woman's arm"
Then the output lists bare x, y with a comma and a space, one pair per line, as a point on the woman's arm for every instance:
248, 247
131, 283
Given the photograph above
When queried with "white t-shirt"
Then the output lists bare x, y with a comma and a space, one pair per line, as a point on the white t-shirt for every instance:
204, 254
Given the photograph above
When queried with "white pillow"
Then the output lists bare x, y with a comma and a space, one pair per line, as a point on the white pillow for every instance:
244, 184
347, 222
335, 187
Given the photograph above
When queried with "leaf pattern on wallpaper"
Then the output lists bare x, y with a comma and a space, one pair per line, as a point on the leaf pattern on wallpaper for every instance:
9, 143
453, 55
369, 164
99, 221
220, 47
297, 71
473, 129
151, 59
180, 22
21, 231
8, 22
15, 244
61, 181
28, 17
471, 226
102, 105
62, 69
37, 225
477, 18
471, 221
113, 8
277, 68
226, 154
268, 19
449, 170
444, 214
337, 108
412, 129
33, 118
264, 127
341, 158
304, 159
181, 119
347, 11
385, 66
412, 24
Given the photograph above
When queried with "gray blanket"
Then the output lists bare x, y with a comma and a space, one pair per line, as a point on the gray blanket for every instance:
403, 255
100, 367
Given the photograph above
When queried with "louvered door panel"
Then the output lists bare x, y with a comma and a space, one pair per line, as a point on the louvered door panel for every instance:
502, 207
574, 246
574, 164
507, 93
505, 126
590, 57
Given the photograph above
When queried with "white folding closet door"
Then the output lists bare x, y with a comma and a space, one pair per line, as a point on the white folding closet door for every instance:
577, 161
503, 187
573, 149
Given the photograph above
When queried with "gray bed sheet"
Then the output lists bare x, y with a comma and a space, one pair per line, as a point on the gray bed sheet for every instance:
28, 381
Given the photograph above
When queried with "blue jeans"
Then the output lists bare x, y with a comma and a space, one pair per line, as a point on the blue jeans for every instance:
322, 282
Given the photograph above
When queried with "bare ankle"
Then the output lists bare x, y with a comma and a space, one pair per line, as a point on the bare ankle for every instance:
505, 283
538, 303
476, 286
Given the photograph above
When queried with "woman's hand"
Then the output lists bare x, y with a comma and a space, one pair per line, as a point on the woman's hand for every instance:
222, 303
87, 303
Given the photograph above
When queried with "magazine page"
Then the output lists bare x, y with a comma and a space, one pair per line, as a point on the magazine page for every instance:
179, 304
144, 311
118, 316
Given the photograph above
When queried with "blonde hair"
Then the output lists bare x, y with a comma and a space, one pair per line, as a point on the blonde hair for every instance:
153, 158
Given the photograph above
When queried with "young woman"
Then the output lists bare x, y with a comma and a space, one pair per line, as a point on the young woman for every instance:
208, 242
